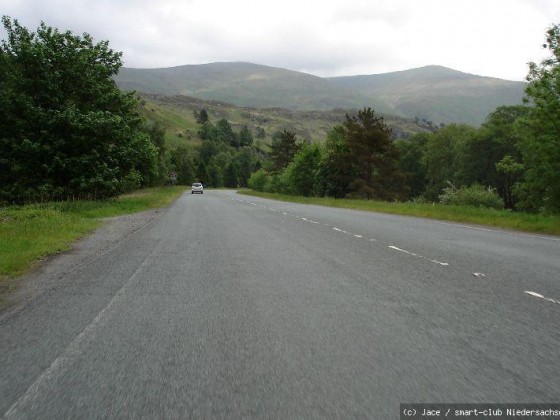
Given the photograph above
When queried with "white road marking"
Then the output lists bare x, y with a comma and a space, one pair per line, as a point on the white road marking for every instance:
358, 236
478, 274
538, 295
402, 250
416, 255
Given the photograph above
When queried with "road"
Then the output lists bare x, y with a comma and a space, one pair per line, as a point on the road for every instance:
229, 306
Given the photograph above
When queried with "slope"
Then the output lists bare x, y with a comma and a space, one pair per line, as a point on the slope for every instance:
434, 93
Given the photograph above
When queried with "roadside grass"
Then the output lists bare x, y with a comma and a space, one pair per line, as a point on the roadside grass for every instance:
32, 232
503, 219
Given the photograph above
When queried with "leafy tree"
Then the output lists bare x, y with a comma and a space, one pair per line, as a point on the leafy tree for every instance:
442, 157
231, 175
540, 146
257, 181
301, 173
375, 157
246, 160
283, 149
66, 129
208, 131
511, 169
225, 133
207, 150
337, 169
184, 165
412, 162
245, 137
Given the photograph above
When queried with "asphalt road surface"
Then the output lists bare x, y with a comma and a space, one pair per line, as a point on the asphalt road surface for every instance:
228, 306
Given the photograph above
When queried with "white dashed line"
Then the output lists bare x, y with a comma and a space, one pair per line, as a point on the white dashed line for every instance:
538, 295
416, 255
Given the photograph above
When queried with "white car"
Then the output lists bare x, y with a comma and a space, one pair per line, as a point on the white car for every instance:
197, 188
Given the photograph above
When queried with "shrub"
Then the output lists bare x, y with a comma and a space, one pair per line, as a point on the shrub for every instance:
257, 181
474, 195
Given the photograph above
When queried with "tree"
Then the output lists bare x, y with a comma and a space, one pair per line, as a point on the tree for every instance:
510, 169
246, 161
201, 116
441, 158
375, 157
301, 173
245, 137
337, 169
183, 164
540, 146
412, 162
225, 133
66, 129
283, 149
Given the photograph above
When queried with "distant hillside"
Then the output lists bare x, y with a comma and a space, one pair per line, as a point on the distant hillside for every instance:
176, 114
433, 93
245, 84
437, 93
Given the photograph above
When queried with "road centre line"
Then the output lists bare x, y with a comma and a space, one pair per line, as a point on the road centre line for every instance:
539, 296
444, 264
416, 255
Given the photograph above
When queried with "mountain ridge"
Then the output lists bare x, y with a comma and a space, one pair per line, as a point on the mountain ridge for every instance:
434, 93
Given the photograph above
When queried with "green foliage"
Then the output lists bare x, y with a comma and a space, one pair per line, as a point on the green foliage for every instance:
374, 156
201, 116
337, 169
474, 195
540, 145
302, 173
442, 157
66, 129
30, 232
183, 164
245, 137
258, 180
412, 162
283, 149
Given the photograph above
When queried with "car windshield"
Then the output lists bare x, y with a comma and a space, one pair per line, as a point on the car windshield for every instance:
197, 185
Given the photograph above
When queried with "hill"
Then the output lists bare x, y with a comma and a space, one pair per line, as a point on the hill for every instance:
175, 113
433, 93
246, 85
437, 93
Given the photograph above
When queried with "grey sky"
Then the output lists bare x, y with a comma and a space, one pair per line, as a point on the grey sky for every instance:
322, 37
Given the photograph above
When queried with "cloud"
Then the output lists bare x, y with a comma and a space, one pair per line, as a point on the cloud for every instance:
323, 37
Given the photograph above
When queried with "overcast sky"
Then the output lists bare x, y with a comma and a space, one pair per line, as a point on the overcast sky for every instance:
322, 37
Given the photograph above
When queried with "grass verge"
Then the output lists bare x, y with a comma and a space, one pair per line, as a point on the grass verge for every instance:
536, 223
31, 232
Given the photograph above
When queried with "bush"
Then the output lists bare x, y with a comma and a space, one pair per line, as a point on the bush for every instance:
475, 195
257, 181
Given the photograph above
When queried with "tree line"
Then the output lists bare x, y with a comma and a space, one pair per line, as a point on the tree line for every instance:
511, 161
68, 132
